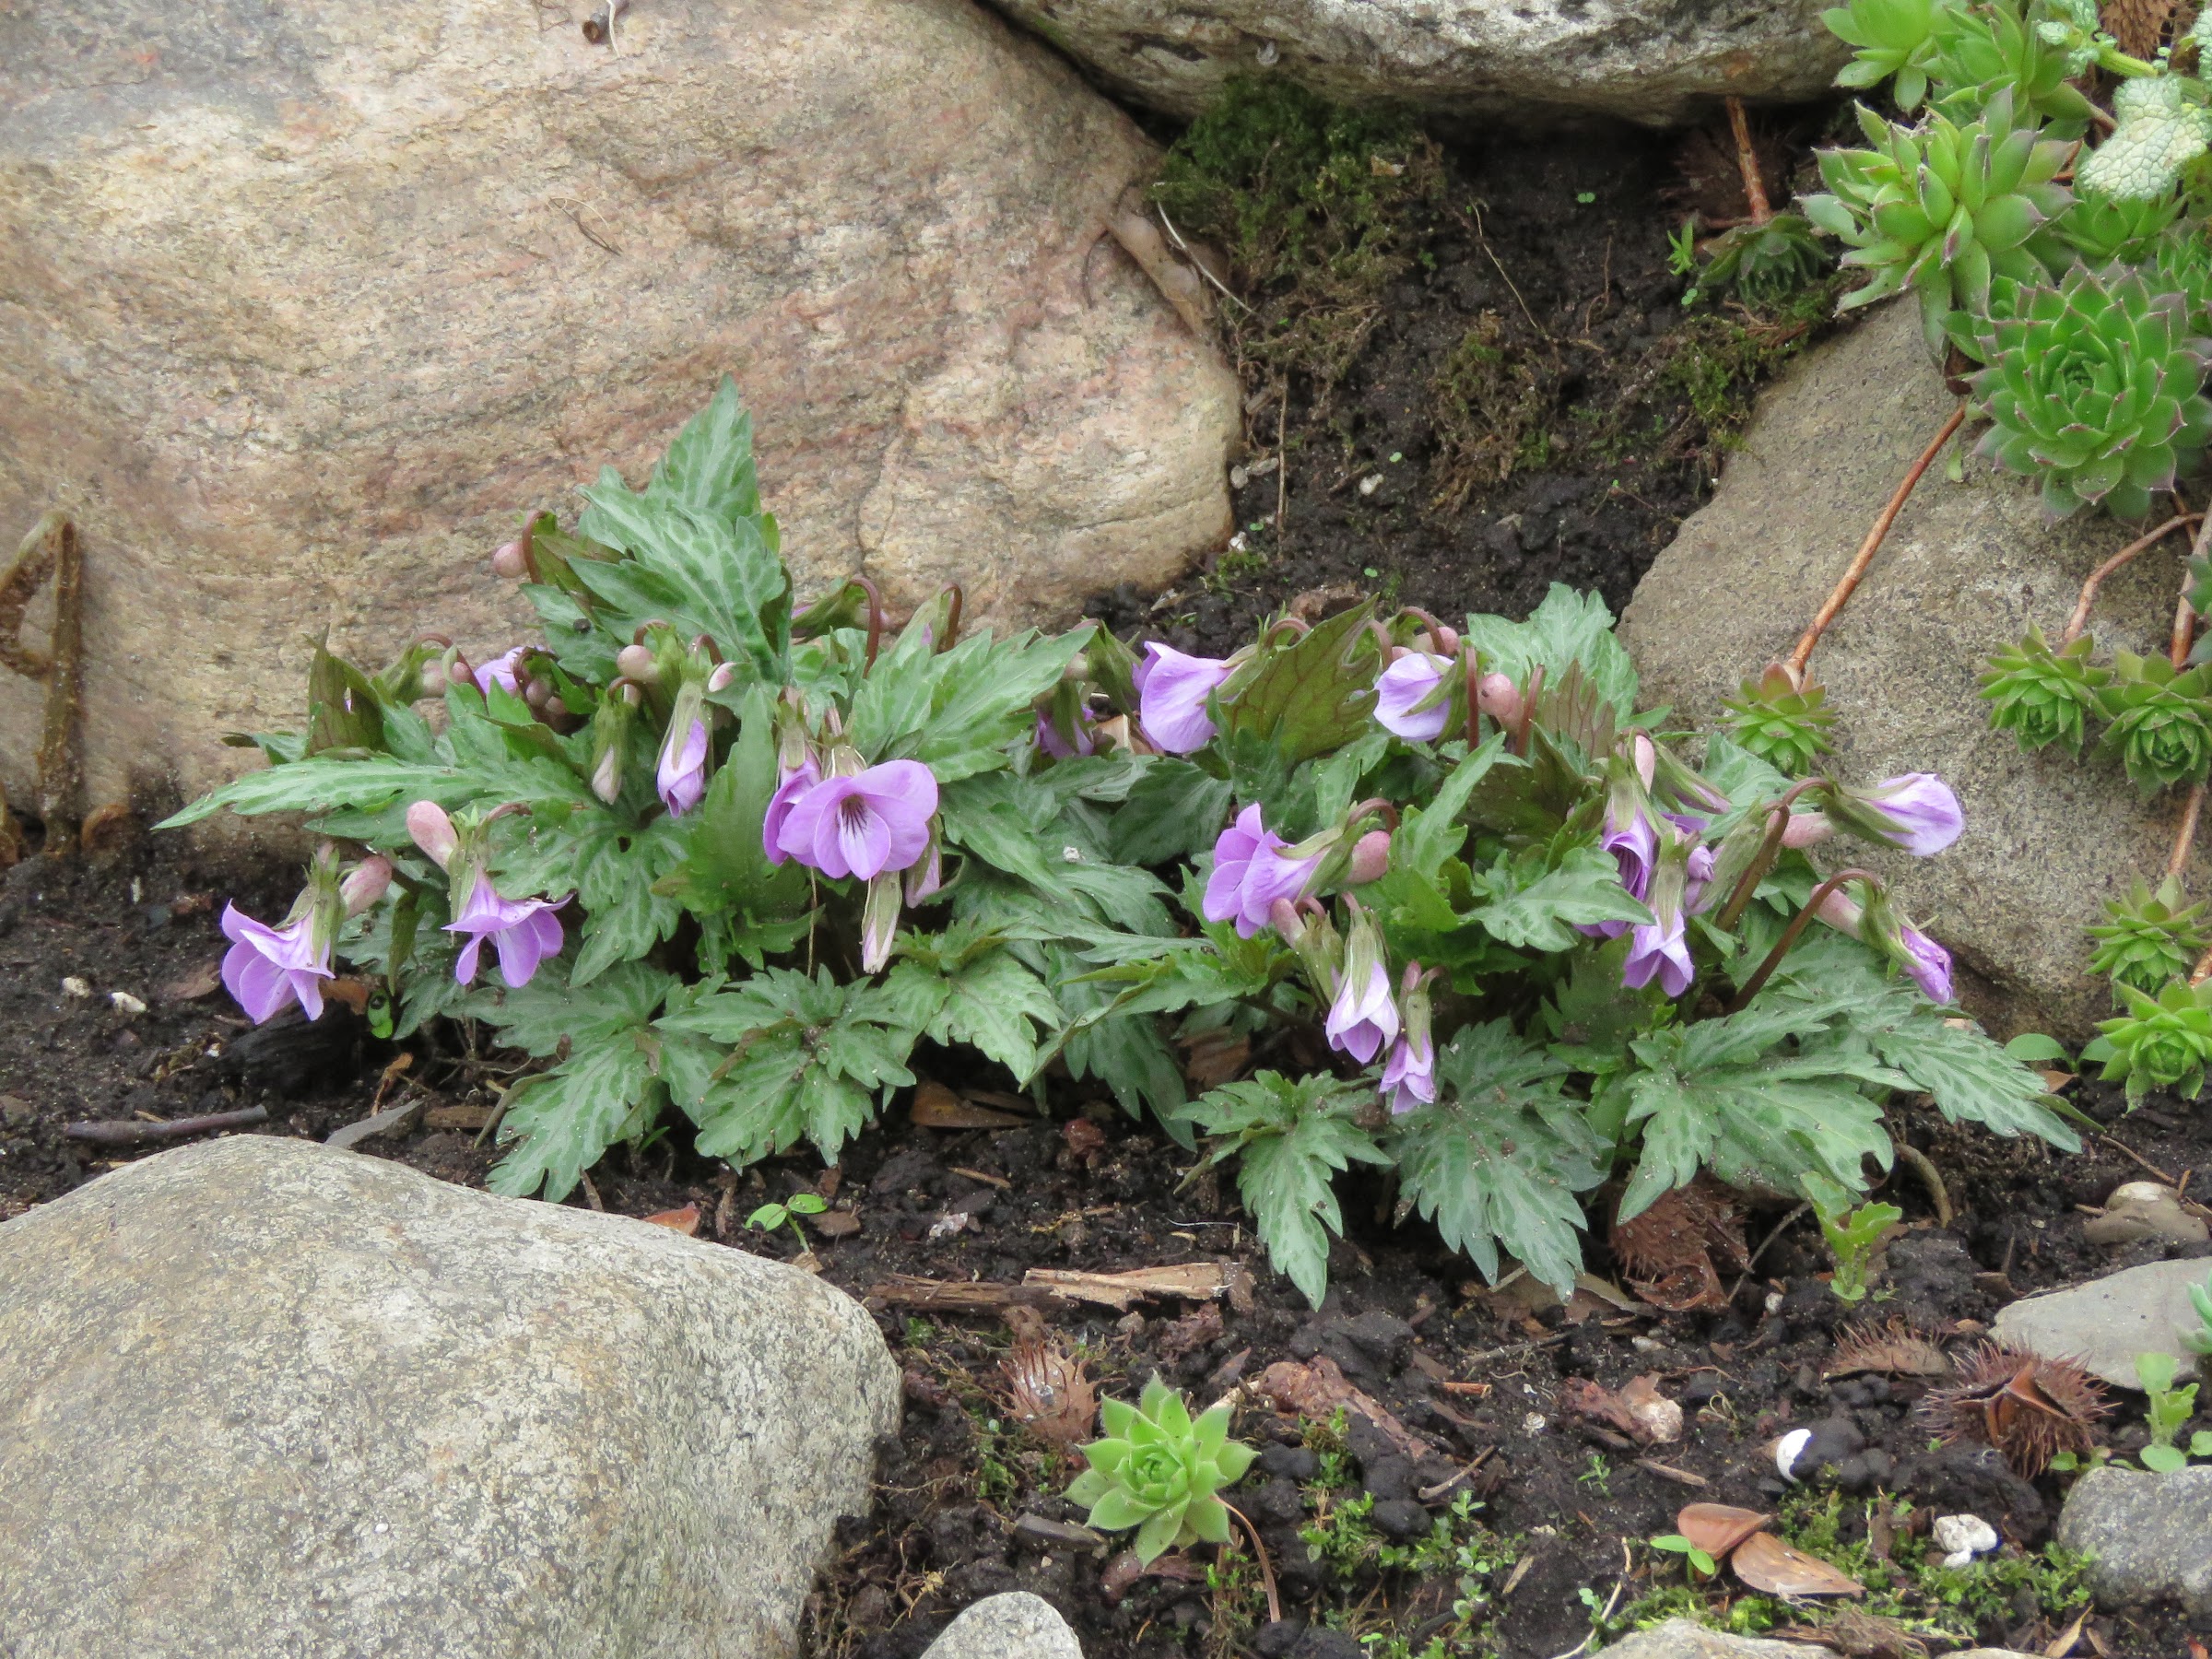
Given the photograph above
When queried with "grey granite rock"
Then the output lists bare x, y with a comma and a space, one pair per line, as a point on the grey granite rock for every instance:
1013, 1626
2107, 1322
260, 1398
1968, 566
2149, 1535
1544, 60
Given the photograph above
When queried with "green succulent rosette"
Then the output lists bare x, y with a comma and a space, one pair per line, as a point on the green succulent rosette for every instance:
1769, 261
2110, 230
2042, 696
2180, 263
2160, 722
1158, 1470
2149, 937
1943, 209
2161, 1043
1892, 38
2092, 386
1998, 47
1785, 726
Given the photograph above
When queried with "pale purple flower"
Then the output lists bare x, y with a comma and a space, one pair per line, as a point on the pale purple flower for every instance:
1660, 948
500, 672
863, 825
1929, 963
1403, 688
267, 967
792, 782
1364, 1017
1057, 747
524, 931
682, 777
1925, 811
1699, 873
1171, 693
1635, 847
365, 884
926, 876
1250, 872
1409, 1078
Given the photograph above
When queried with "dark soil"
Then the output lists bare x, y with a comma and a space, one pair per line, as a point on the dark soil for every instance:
967, 1504
1532, 404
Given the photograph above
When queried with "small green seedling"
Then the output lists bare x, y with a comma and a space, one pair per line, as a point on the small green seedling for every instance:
1158, 1470
1682, 249
2199, 1341
1851, 1234
1676, 1543
2169, 1411
769, 1216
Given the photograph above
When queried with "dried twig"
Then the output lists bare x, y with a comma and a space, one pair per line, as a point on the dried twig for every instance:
2185, 836
1259, 1550
1923, 1167
138, 1132
1746, 163
1868, 549
2134, 550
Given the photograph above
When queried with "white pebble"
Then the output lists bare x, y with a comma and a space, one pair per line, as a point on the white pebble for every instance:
1963, 1538
1369, 485
1789, 1449
1267, 54
76, 987
125, 1003
1534, 1423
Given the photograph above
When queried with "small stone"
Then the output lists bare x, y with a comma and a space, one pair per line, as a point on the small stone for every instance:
74, 986
1290, 1463
2149, 1536
2145, 1209
1039, 1532
16, 1111
125, 1003
1963, 1538
1369, 485
1015, 1625
1788, 1449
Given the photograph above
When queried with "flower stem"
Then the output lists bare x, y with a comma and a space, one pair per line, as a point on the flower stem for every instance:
1868, 549
1746, 163
2134, 550
1778, 823
1756, 983
2186, 837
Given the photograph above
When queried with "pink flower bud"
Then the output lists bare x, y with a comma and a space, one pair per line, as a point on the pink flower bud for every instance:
1283, 913
433, 679
1370, 858
462, 674
432, 830
636, 663
1497, 696
1396, 652
1447, 640
1647, 757
365, 884
723, 677
1804, 830
509, 561
537, 693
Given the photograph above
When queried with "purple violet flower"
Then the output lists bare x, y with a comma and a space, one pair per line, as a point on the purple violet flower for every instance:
1928, 964
1926, 813
1660, 948
267, 967
1363, 1016
1403, 688
791, 783
863, 825
1635, 848
1171, 698
500, 672
1057, 747
682, 777
1410, 1079
1250, 874
525, 932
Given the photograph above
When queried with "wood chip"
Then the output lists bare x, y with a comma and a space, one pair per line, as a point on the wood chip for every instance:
1318, 1388
1668, 1471
193, 982
1767, 1564
470, 1117
937, 1107
1044, 1288
684, 1220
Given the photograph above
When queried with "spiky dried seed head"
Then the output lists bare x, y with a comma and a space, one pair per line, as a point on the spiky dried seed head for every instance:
2031, 1410
1895, 1349
1047, 1390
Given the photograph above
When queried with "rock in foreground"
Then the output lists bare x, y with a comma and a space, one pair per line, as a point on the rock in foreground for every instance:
2149, 1536
306, 305
1967, 568
1641, 60
2106, 1323
1015, 1626
259, 1397
1679, 1639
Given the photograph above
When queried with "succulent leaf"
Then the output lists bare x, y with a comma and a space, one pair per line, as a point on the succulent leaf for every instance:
1893, 37
1999, 47
1783, 726
2039, 694
2093, 386
2160, 722
2164, 1043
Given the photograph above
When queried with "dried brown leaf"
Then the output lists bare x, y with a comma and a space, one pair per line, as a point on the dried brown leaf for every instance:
937, 1107
1717, 1528
1767, 1564
1318, 1387
684, 1220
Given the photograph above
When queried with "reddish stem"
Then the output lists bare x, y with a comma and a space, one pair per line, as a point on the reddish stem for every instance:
2134, 550
1746, 163
1798, 923
1868, 549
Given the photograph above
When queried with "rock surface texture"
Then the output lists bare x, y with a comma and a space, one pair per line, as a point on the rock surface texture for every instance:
2106, 1323
1545, 60
1015, 1626
1967, 568
302, 307
1679, 1639
257, 1397
2150, 1536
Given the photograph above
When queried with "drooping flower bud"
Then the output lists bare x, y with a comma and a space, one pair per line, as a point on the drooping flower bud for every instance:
925, 879
613, 723
723, 677
365, 884
1413, 696
1497, 696
433, 831
638, 663
1171, 698
1253, 868
879, 920
1805, 829
509, 561
681, 777
1660, 948
1409, 1077
1370, 858
1363, 1017
1916, 811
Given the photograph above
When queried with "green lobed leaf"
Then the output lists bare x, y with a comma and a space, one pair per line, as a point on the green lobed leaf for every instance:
1568, 628
1311, 695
